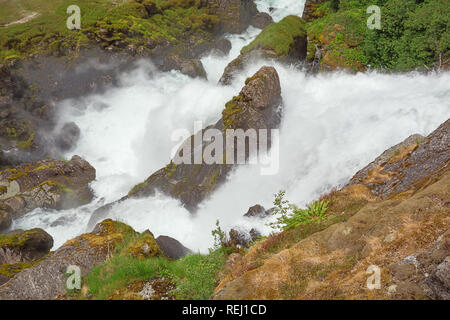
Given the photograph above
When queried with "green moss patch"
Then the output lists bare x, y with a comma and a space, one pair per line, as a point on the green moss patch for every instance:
278, 37
109, 23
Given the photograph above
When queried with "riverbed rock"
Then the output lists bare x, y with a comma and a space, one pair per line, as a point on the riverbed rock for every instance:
55, 184
190, 67
172, 247
285, 41
24, 246
258, 106
47, 279
257, 211
261, 20
234, 15
68, 136
5, 220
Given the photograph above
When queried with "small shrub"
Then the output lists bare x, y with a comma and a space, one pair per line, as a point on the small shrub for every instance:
293, 216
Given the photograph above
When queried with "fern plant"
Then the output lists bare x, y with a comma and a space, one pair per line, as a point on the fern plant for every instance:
292, 216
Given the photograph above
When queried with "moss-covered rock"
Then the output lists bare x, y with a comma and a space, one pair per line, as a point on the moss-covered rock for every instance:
256, 107
47, 279
24, 246
141, 247
285, 41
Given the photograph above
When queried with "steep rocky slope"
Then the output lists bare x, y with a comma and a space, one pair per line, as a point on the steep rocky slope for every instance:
397, 220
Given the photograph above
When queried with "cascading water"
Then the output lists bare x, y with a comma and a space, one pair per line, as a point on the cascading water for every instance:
333, 125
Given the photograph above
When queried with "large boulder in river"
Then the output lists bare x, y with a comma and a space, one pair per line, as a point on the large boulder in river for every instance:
55, 184
256, 107
234, 15
47, 279
5, 220
285, 41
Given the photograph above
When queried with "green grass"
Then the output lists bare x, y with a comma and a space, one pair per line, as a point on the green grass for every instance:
278, 36
126, 21
195, 276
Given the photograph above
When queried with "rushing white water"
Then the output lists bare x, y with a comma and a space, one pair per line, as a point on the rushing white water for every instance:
333, 125
279, 9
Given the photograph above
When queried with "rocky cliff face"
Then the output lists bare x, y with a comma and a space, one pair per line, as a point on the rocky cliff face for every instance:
256, 107
45, 184
398, 223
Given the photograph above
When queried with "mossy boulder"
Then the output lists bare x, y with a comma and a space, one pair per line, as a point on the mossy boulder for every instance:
172, 247
47, 279
55, 184
285, 41
24, 246
142, 246
190, 67
234, 16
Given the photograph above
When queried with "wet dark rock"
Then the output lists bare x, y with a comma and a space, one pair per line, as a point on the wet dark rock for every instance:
261, 20
5, 219
54, 184
172, 247
24, 246
68, 136
224, 45
190, 67
254, 234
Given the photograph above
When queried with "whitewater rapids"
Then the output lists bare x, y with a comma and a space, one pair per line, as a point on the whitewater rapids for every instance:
333, 125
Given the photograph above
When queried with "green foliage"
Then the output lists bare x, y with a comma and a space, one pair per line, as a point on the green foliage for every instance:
132, 22
220, 237
292, 216
278, 37
414, 34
